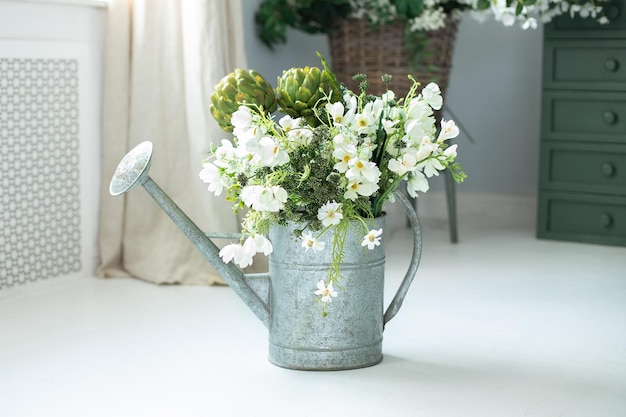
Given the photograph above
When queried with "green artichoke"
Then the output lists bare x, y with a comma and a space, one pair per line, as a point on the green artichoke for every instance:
239, 87
298, 91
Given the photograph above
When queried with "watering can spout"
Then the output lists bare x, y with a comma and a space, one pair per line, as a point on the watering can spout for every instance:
133, 170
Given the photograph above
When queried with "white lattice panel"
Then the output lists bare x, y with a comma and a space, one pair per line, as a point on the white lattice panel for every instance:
42, 190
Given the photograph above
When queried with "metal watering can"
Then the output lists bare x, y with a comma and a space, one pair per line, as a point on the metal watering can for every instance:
299, 337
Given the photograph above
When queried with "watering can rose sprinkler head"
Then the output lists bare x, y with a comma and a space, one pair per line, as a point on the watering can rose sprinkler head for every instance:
132, 171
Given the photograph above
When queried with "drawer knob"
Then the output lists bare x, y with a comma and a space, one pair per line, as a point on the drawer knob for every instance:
611, 11
606, 219
610, 117
611, 65
608, 169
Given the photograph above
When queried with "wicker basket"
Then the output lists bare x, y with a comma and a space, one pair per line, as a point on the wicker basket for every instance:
355, 48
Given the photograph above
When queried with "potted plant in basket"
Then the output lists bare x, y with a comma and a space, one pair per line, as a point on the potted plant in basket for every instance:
422, 32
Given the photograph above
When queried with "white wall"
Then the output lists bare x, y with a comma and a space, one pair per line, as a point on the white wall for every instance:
494, 91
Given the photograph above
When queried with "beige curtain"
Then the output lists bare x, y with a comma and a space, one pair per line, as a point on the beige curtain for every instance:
162, 61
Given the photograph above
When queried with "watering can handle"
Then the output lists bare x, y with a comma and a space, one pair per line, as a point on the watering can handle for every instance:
396, 303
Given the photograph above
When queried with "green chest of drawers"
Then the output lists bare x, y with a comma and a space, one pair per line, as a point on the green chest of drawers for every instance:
582, 188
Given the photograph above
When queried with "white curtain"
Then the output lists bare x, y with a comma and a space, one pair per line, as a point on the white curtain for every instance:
162, 60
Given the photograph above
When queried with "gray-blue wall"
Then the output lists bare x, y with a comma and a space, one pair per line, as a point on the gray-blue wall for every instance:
494, 92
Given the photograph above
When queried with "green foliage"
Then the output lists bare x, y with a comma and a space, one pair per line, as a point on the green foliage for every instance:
310, 16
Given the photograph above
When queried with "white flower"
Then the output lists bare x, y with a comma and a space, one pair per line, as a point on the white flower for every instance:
365, 123
262, 198
210, 175
335, 111
530, 23
429, 19
241, 118
405, 163
432, 95
309, 242
326, 292
330, 213
363, 169
450, 152
426, 148
343, 153
273, 199
288, 123
225, 153
417, 182
372, 239
420, 121
270, 153
237, 253
431, 166
388, 96
357, 187
449, 130
258, 244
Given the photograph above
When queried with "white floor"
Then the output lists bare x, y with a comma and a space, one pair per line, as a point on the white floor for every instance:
500, 324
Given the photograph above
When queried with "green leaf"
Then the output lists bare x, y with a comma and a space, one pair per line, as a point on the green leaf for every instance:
402, 8
483, 4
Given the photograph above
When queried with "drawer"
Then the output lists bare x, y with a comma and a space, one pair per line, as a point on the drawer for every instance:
582, 218
593, 168
565, 27
585, 65
584, 116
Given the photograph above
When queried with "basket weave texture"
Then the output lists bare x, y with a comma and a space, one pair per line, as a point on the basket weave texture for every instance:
356, 48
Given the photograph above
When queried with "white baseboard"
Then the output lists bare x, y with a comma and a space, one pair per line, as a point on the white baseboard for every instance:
472, 209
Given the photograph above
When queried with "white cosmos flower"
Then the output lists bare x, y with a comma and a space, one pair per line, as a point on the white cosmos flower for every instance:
357, 187
344, 153
330, 213
211, 175
241, 118
270, 152
288, 123
372, 238
335, 111
326, 292
365, 123
309, 242
359, 168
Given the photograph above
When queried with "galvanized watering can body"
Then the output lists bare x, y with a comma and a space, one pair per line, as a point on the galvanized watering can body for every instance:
350, 336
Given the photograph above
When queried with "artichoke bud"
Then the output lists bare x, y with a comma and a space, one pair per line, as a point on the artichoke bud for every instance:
300, 89
240, 87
